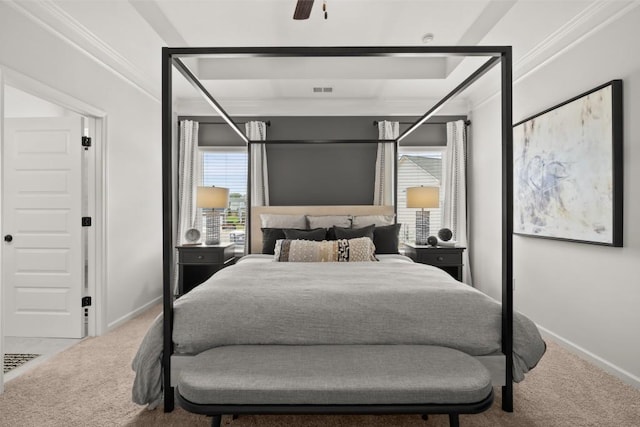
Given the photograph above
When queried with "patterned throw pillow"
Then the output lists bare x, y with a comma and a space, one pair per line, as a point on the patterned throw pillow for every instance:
345, 250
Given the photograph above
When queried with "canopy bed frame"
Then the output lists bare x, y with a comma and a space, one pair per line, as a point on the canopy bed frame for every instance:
171, 57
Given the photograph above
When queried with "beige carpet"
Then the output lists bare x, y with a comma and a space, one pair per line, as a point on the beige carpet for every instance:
90, 385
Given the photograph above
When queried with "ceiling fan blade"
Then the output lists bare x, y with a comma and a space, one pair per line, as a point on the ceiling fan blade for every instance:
303, 9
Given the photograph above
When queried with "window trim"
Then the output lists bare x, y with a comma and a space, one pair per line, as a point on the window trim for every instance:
223, 148
422, 149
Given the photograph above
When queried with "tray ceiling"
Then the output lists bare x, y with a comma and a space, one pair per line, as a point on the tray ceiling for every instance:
127, 36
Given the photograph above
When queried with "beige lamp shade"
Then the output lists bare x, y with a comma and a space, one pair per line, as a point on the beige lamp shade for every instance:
423, 197
212, 197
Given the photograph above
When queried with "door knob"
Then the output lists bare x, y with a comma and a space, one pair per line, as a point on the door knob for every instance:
8, 238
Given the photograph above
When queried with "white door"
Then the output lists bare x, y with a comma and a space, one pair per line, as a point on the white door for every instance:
42, 196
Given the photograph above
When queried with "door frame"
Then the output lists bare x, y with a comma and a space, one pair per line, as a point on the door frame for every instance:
96, 182
1, 246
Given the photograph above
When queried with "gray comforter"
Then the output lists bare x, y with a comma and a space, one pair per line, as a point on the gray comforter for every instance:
333, 303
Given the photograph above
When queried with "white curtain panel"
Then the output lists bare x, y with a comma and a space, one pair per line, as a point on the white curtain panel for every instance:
455, 192
257, 131
383, 187
188, 178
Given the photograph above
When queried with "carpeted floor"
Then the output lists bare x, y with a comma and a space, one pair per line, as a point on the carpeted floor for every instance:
90, 385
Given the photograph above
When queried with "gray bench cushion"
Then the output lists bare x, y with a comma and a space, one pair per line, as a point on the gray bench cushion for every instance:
334, 374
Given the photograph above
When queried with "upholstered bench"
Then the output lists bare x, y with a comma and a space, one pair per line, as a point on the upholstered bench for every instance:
334, 379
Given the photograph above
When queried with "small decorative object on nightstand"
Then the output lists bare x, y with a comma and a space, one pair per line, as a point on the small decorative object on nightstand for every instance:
192, 237
197, 263
432, 241
445, 234
448, 259
422, 197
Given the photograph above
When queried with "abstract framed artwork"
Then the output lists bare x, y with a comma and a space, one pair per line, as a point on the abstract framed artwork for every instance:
567, 181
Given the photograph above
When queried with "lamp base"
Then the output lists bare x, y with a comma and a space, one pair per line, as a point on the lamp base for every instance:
422, 227
212, 225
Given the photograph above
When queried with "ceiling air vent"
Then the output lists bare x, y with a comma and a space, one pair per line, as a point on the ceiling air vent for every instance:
322, 89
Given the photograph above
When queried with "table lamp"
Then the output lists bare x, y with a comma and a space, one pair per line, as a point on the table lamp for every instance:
423, 198
210, 199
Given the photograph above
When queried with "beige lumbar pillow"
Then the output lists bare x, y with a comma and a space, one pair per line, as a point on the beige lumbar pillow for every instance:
345, 250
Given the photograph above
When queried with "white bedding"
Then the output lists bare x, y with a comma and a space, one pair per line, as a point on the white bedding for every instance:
259, 301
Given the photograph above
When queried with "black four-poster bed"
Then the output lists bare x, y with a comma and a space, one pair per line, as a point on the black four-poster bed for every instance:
171, 57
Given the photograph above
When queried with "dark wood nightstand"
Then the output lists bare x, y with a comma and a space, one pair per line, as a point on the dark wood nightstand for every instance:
446, 258
198, 262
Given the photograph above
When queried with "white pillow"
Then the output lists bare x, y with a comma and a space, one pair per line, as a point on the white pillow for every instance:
283, 221
328, 221
364, 220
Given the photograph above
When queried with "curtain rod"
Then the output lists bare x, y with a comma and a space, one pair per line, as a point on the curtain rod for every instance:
466, 122
268, 122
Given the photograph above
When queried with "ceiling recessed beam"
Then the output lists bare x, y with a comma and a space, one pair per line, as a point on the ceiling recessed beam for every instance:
322, 68
150, 11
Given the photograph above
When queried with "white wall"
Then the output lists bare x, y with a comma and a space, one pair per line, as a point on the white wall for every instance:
21, 104
133, 177
587, 296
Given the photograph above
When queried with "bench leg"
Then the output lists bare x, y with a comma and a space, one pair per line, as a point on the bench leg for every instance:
454, 421
216, 420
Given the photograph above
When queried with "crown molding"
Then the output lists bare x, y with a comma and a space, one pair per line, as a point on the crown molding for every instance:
595, 17
594, 12
54, 19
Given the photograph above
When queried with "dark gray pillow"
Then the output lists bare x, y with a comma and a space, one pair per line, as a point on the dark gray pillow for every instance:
354, 233
317, 234
331, 233
269, 237
386, 239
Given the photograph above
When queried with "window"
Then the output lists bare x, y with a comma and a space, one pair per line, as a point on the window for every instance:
227, 167
419, 166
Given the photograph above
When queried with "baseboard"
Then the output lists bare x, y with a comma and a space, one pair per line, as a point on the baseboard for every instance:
111, 326
607, 366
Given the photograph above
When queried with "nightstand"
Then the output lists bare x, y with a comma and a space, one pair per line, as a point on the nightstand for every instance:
199, 262
444, 257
